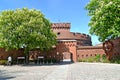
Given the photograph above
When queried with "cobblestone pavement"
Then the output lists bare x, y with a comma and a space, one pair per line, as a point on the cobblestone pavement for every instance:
75, 71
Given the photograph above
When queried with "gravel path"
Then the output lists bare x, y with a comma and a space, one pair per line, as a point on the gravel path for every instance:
75, 71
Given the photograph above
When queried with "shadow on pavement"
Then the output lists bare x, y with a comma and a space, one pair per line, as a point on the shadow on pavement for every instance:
5, 76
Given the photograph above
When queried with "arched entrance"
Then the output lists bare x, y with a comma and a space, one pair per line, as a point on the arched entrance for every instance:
67, 57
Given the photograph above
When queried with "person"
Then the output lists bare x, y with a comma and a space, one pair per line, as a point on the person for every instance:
9, 60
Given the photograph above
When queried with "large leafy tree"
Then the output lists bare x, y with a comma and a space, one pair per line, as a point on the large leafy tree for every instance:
25, 28
105, 18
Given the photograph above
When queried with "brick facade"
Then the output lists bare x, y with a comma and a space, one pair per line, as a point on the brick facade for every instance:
14, 53
67, 46
89, 51
68, 41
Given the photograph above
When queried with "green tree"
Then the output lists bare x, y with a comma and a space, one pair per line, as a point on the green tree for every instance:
25, 28
105, 18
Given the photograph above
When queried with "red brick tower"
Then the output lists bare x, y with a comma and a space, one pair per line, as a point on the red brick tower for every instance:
68, 41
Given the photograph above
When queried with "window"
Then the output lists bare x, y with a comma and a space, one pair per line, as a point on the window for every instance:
91, 55
58, 33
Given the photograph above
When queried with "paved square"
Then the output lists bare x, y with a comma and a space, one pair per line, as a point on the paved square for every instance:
75, 71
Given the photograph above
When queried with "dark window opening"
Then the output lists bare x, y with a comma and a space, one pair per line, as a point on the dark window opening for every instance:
58, 33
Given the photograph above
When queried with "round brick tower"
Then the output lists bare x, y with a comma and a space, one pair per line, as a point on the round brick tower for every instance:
68, 41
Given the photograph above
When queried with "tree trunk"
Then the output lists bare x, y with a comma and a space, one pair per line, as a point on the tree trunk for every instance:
27, 55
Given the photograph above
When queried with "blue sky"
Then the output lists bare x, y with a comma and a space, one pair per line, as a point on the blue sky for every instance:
57, 11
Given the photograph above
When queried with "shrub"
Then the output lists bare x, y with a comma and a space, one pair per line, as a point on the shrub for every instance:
3, 62
90, 59
103, 59
116, 60
103, 56
97, 58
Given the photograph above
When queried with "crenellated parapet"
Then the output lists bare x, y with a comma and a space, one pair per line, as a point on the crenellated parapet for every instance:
61, 26
82, 36
82, 39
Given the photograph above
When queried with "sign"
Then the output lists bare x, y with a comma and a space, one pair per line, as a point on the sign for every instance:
20, 57
40, 57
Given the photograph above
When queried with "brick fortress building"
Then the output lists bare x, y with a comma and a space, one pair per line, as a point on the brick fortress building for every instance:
71, 46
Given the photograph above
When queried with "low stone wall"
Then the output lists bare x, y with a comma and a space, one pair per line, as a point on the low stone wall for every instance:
89, 51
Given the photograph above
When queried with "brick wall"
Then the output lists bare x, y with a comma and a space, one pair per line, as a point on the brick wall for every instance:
14, 53
89, 51
67, 46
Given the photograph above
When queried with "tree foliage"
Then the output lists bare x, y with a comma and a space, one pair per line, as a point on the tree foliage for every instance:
105, 18
25, 28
